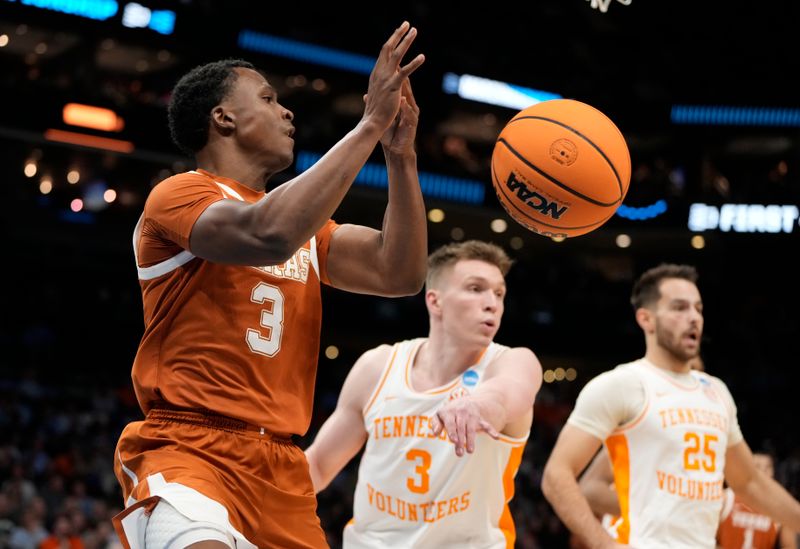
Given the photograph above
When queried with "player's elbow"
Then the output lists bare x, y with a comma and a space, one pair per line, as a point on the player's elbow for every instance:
403, 282
417, 280
549, 481
411, 284
313, 471
276, 246
395, 289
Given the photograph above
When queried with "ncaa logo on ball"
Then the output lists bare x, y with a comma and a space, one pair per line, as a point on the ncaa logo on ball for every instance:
564, 151
535, 200
470, 378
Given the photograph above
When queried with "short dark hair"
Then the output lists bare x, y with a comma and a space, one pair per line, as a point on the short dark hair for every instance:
450, 254
647, 289
193, 98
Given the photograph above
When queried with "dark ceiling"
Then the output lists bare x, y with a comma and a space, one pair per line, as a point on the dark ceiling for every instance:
633, 61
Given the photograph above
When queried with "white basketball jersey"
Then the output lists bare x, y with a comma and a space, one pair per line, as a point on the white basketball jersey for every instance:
413, 491
668, 463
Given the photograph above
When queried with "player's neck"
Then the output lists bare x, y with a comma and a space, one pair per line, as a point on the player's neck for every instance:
440, 361
233, 166
665, 360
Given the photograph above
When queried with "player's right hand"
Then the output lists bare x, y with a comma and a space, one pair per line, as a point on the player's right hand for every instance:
462, 419
386, 80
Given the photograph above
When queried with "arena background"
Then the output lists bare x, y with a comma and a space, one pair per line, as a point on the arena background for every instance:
70, 302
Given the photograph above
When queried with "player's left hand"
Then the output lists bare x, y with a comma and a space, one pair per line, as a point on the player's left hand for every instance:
463, 420
399, 137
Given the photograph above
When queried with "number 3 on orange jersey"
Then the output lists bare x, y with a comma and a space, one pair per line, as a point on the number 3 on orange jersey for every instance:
268, 344
422, 484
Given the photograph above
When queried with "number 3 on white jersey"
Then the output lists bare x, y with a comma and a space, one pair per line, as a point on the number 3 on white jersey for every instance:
271, 319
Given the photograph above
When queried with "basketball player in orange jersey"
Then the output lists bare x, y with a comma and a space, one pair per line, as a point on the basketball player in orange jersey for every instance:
430, 476
230, 279
671, 434
743, 528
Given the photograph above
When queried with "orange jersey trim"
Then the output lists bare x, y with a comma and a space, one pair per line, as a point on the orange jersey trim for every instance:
506, 523
637, 420
664, 376
620, 462
384, 377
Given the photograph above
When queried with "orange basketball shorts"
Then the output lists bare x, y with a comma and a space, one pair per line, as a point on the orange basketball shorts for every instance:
216, 469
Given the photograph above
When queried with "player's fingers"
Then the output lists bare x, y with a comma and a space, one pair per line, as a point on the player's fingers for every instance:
462, 424
407, 114
391, 44
469, 435
408, 93
412, 65
402, 48
436, 426
450, 427
487, 428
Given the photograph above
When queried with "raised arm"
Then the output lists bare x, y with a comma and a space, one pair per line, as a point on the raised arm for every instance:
573, 450
343, 434
271, 230
389, 262
503, 402
757, 489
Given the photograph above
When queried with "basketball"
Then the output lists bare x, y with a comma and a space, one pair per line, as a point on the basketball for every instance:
561, 168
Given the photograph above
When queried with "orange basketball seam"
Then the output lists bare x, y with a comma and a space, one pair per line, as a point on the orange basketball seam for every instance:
510, 201
585, 138
556, 181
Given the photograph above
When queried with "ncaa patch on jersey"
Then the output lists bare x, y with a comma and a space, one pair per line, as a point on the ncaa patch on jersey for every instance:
708, 389
470, 378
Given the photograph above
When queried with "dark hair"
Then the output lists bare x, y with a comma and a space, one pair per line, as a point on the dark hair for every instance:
193, 98
470, 249
647, 289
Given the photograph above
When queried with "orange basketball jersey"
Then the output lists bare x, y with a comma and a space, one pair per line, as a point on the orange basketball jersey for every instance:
241, 341
743, 528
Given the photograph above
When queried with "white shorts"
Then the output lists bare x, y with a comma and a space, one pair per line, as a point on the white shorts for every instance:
166, 528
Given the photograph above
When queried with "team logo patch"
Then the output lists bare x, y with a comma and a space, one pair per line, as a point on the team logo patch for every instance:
708, 389
470, 378
458, 392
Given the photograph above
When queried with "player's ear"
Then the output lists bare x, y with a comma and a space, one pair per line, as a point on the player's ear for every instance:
223, 119
644, 318
432, 301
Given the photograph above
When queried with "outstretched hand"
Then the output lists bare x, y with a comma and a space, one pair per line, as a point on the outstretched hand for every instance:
462, 419
399, 137
386, 83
